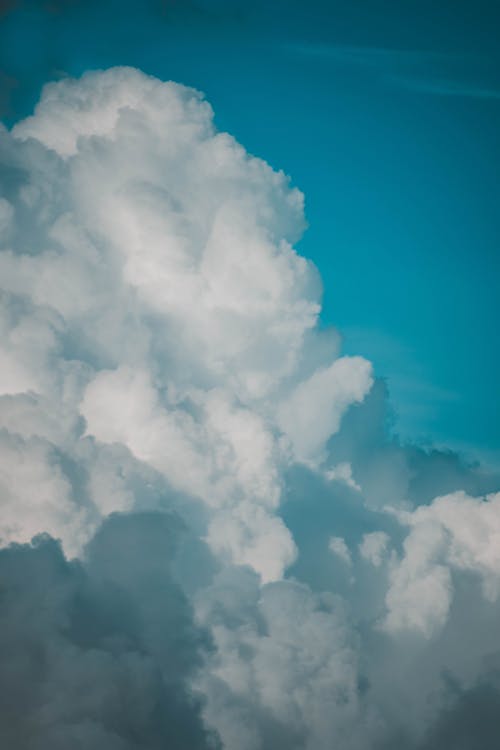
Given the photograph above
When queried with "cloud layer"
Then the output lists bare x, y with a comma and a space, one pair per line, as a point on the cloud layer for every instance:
246, 558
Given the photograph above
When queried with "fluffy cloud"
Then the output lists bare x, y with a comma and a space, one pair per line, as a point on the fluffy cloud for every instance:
455, 532
166, 305
244, 547
285, 669
373, 547
339, 548
313, 411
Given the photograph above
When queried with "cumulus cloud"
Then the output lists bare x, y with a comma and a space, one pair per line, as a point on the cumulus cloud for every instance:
373, 547
339, 548
166, 304
285, 669
243, 547
455, 532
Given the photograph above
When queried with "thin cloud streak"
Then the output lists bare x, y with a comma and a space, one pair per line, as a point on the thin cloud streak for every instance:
421, 67
445, 87
370, 56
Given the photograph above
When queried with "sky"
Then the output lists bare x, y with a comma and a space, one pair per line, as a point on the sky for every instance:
385, 114
249, 487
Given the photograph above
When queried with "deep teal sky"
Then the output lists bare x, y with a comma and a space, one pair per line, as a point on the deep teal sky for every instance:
387, 116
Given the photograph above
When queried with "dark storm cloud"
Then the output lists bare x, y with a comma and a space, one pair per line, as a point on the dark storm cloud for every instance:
471, 719
388, 468
97, 654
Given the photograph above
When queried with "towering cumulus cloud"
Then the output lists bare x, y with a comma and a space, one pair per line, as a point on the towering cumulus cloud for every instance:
209, 539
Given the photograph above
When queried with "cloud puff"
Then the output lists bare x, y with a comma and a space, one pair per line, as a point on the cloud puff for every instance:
244, 546
285, 669
339, 548
455, 532
166, 304
373, 547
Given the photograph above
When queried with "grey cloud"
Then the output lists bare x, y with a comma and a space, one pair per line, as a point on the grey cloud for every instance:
391, 471
471, 719
98, 654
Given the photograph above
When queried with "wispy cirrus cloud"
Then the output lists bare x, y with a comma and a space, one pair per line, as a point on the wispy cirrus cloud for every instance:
368, 55
423, 71
448, 87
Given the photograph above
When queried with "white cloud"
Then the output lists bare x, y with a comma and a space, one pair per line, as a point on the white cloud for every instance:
373, 547
343, 473
37, 497
291, 662
167, 305
339, 548
313, 411
455, 532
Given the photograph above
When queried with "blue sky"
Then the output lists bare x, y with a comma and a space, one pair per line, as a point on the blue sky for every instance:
386, 115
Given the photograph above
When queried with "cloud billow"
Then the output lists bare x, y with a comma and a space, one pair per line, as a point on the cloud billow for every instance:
246, 558
98, 655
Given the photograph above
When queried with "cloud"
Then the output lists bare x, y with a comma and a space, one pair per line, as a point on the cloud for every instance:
454, 532
373, 547
98, 654
178, 254
285, 669
470, 718
312, 413
420, 70
370, 56
208, 460
440, 86
339, 548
